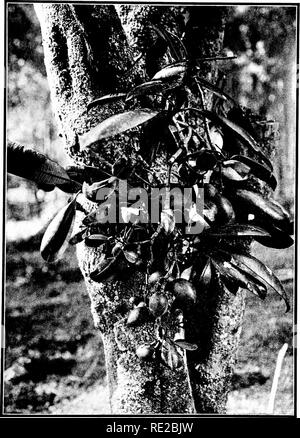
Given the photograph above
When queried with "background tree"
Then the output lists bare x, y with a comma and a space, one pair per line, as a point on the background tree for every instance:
263, 40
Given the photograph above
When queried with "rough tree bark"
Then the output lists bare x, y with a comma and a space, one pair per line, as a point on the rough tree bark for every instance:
88, 50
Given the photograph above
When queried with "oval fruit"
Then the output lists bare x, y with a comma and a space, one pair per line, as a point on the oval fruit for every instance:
158, 304
184, 293
155, 277
137, 316
145, 352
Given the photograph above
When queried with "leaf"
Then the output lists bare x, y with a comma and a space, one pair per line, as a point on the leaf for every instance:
169, 355
230, 285
106, 270
171, 41
78, 237
263, 272
238, 230
90, 191
263, 208
206, 275
230, 272
244, 136
132, 257
151, 87
86, 174
214, 89
38, 168
186, 273
277, 239
95, 240
216, 138
108, 98
117, 124
258, 170
281, 209
232, 174
175, 38
170, 72
225, 212
182, 343
237, 165
58, 232
241, 133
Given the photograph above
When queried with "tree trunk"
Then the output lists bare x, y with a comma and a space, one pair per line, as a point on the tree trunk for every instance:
88, 50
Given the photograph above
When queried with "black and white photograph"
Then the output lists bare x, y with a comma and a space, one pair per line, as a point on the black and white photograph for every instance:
149, 215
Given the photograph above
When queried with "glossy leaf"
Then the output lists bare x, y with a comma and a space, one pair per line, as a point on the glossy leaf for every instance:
238, 230
95, 240
241, 133
90, 191
182, 343
206, 275
169, 355
117, 124
177, 49
232, 174
108, 98
263, 272
225, 210
262, 208
230, 272
186, 273
215, 90
175, 71
105, 271
132, 257
58, 232
237, 165
78, 237
277, 239
151, 87
258, 170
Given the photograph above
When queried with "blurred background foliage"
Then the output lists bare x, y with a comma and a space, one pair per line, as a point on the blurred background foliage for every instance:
53, 353
30, 121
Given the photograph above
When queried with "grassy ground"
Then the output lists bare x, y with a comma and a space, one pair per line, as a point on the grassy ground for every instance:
54, 358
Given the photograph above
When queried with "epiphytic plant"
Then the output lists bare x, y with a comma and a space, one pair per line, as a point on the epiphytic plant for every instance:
214, 148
